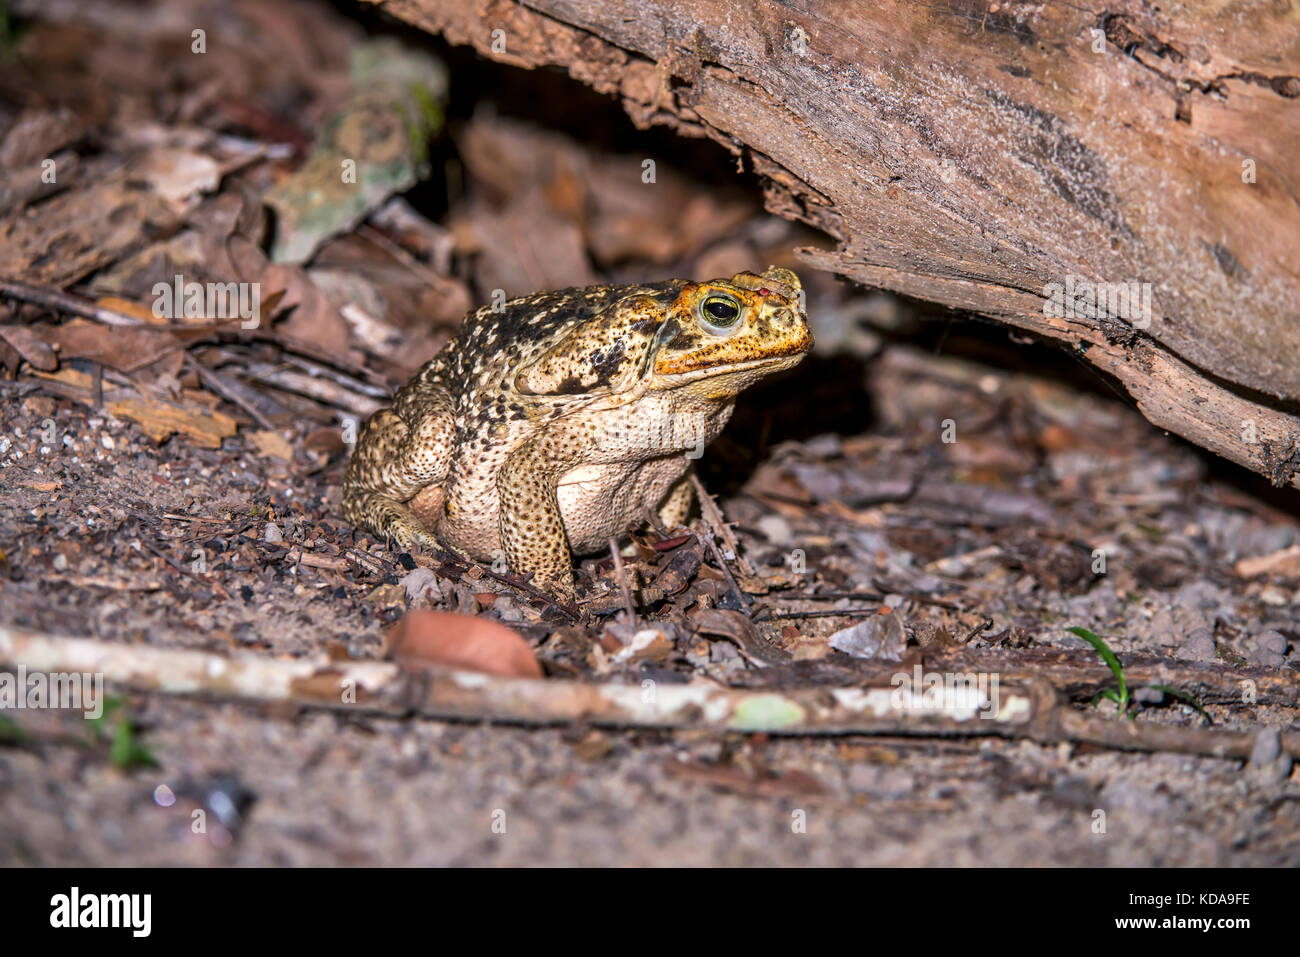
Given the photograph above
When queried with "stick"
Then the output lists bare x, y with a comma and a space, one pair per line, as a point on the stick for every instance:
1027, 706
236, 392
713, 516
621, 574
58, 302
722, 564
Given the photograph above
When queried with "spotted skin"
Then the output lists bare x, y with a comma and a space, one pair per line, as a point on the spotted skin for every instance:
564, 418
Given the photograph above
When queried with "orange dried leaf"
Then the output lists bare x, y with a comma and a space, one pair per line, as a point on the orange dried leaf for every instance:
425, 638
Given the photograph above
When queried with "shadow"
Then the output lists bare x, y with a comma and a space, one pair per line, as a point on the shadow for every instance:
823, 394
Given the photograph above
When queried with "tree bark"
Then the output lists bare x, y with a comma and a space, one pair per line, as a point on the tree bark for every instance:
975, 152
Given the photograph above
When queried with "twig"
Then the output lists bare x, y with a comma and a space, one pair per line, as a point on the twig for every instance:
731, 582
348, 382
1028, 707
171, 561
867, 596
621, 574
234, 391
713, 516
416, 267
315, 387
984, 625
840, 613
59, 302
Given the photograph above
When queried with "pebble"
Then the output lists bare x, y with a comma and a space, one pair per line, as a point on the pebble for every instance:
1272, 595
272, 535
1268, 746
1267, 650
1269, 764
420, 580
1199, 645
775, 529
880, 636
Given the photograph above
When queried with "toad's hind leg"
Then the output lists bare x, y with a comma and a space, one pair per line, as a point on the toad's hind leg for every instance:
401, 452
676, 505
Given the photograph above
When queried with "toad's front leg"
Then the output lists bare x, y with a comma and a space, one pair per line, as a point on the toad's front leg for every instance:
532, 529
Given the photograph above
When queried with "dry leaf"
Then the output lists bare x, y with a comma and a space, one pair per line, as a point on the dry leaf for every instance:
123, 348
177, 174
30, 346
160, 419
424, 638
133, 309
272, 443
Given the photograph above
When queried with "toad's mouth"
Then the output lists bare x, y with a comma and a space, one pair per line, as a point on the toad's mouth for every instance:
722, 360
682, 373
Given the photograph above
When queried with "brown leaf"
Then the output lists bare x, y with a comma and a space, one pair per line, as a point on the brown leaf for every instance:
314, 318
272, 443
738, 628
30, 346
38, 134
123, 348
128, 308
160, 419
424, 638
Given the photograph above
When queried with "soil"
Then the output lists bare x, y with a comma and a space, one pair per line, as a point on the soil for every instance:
920, 483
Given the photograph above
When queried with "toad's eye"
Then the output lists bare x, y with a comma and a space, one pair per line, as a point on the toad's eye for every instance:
720, 311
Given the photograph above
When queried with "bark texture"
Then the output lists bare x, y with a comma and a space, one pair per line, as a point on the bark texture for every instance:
973, 152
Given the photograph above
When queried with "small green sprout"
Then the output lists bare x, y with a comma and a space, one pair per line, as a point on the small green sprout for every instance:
1121, 697
11, 730
125, 750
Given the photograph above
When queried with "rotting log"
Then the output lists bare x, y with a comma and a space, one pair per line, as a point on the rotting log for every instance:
975, 152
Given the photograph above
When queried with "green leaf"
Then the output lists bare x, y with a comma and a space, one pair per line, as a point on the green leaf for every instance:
127, 751
1112, 662
1186, 699
11, 730
99, 727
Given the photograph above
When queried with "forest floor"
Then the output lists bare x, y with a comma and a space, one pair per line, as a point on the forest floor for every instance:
921, 486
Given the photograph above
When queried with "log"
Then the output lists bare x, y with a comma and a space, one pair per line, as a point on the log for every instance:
992, 155
1010, 704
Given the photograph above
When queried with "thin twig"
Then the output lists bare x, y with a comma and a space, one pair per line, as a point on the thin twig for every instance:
316, 387
59, 302
348, 382
621, 574
235, 392
417, 268
713, 516
731, 582
983, 626
840, 613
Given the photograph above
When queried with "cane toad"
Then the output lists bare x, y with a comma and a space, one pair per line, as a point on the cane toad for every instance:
563, 418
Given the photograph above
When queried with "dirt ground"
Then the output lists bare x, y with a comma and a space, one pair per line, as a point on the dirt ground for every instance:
922, 484
321, 788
